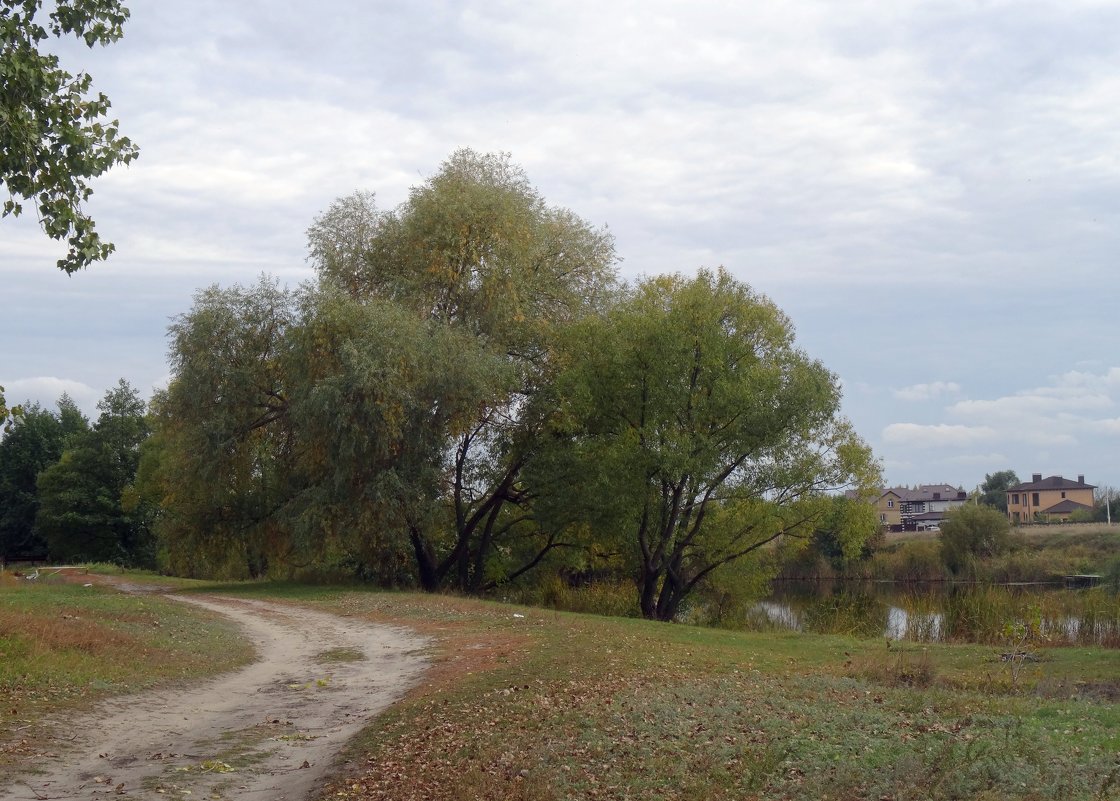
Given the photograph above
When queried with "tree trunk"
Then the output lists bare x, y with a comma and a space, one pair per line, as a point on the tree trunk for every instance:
425, 560
672, 592
647, 592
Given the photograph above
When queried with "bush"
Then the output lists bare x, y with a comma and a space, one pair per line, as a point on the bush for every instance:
916, 560
971, 533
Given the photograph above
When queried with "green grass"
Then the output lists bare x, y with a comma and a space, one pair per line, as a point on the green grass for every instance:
554, 705
538, 705
64, 645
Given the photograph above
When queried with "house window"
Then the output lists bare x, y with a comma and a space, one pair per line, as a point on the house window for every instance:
890, 504
1034, 498
1063, 495
1015, 497
883, 518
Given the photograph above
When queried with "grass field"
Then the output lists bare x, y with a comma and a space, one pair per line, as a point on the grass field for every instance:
523, 703
532, 704
64, 645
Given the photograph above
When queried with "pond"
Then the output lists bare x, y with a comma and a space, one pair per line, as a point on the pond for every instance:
943, 612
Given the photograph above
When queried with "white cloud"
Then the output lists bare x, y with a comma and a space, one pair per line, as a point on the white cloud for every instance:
1069, 402
941, 435
1030, 404
904, 178
921, 392
46, 390
1063, 424
1109, 426
978, 458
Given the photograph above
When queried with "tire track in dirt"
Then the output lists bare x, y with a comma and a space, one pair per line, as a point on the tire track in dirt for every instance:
270, 730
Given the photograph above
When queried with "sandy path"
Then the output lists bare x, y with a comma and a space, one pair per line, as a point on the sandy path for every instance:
267, 731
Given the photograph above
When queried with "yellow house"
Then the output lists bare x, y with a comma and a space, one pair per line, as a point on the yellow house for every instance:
889, 508
888, 505
1051, 499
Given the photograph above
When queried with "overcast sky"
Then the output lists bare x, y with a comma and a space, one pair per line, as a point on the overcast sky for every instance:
930, 190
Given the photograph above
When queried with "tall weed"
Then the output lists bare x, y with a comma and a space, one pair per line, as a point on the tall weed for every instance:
917, 560
615, 599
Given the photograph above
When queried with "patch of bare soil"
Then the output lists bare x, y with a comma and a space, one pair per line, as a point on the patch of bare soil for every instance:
269, 731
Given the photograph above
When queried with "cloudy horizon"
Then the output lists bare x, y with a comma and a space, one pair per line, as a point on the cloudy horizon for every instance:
928, 191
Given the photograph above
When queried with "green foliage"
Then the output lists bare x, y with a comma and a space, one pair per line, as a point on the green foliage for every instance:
474, 245
222, 461
973, 532
833, 538
690, 430
611, 598
476, 249
729, 595
376, 393
1044, 555
993, 492
82, 514
55, 136
1112, 575
914, 560
35, 442
386, 413
462, 389
8, 416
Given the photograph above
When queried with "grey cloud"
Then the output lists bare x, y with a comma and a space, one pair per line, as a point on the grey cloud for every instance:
928, 189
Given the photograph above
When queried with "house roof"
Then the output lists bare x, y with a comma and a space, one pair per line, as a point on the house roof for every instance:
927, 492
1066, 506
1051, 482
924, 492
881, 493
930, 516
876, 495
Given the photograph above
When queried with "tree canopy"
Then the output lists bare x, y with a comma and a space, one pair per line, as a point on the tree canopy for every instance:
54, 135
36, 441
467, 391
690, 425
82, 510
220, 464
8, 415
475, 249
390, 402
993, 492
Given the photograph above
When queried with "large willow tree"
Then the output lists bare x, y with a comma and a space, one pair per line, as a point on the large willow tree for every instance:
690, 431
386, 410
475, 250
221, 464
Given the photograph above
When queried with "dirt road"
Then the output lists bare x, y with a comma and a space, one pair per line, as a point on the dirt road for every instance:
268, 731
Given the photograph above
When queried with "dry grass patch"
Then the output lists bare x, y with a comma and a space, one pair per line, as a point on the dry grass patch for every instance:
64, 646
34, 636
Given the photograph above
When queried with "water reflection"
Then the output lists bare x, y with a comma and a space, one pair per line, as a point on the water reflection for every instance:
942, 612
922, 626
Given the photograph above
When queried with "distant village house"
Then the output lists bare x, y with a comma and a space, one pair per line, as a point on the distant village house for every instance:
1052, 500
923, 508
